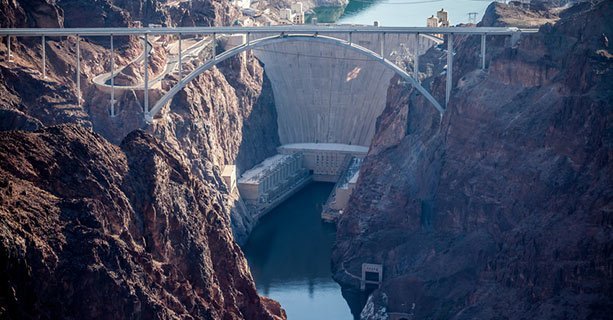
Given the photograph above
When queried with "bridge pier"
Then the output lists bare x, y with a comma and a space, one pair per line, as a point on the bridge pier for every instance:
483, 36
416, 60
10, 55
214, 43
146, 92
44, 59
180, 59
78, 70
112, 78
449, 82
382, 39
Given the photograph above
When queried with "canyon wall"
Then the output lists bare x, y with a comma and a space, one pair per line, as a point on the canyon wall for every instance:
180, 258
92, 230
502, 207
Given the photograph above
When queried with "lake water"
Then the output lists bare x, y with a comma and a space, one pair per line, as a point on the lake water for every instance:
289, 256
402, 13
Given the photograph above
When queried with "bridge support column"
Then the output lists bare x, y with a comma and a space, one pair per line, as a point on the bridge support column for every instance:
449, 68
44, 59
180, 59
416, 61
8, 45
146, 92
350, 40
382, 39
214, 46
78, 69
112, 78
483, 36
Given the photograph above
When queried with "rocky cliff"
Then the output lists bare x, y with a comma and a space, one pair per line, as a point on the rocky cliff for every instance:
176, 256
92, 230
502, 207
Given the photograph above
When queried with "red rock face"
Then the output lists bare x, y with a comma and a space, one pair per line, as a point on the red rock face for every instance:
502, 208
146, 223
92, 230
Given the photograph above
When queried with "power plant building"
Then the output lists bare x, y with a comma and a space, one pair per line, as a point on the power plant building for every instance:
272, 181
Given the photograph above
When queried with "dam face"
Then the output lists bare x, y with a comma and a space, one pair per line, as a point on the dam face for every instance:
328, 98
330, 94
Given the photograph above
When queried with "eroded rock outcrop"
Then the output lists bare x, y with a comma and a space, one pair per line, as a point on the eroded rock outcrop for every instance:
502, 208
174, 257
92, 230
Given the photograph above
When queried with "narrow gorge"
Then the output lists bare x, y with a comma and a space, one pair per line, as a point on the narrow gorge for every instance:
270, 183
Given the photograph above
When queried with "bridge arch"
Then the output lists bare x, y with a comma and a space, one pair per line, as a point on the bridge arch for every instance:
254, 44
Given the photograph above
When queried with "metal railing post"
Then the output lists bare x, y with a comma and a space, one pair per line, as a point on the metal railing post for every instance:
449, 68
112, 78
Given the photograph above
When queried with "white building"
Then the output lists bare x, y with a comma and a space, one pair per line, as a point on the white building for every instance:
244, 4
294, 15
267, 184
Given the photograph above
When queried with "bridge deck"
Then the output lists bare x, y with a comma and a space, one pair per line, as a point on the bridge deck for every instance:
322, 29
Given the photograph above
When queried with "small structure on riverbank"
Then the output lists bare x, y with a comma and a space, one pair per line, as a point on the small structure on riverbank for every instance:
371, 274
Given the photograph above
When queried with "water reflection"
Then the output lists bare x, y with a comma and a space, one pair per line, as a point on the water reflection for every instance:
289, 256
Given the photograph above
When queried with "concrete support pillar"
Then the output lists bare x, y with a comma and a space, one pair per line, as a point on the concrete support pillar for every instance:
416, 62
78, 69
382, 40
248, 39
350, 40
483, 38
44, 58
146, 88
8, 45
214, 46
112, 77
180, 59
449, 68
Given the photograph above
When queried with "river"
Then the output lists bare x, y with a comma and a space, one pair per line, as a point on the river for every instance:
289, 250
289, 256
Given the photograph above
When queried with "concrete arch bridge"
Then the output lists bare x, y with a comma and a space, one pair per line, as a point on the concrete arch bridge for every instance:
329, 83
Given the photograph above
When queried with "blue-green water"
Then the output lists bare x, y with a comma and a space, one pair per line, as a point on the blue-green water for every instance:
289, 256
402, 13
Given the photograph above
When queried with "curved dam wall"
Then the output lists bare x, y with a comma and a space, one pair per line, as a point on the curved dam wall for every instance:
329, 94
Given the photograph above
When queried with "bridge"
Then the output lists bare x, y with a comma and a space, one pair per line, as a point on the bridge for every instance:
257, 37
318, 135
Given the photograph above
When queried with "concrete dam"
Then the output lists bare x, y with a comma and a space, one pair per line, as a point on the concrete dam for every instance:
327, 100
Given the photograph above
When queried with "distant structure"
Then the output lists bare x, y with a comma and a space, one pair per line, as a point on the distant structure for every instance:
243, 4
293, 15
271, 182
472, 17
229, 176
441, 20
